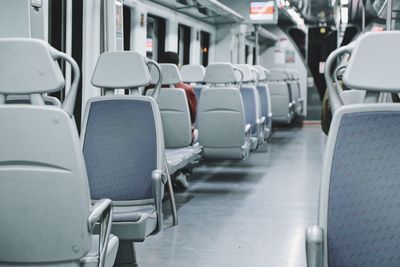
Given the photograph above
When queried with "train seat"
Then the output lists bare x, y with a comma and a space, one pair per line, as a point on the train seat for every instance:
359, 215
300, 98
295, 91
252, 105
194, 75
46, 217
176, 122
281, 103
265, 99
223, 131
123, 145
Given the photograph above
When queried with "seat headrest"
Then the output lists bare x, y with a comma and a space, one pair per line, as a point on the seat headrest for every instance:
220, 73
248, 75
193, 73
171, 74
27, 66
123, 69
290, 75
263, 72
278, 75
375, 63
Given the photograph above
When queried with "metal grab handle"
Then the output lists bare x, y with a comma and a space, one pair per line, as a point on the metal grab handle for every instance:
257, 81
157, 89
69, 102
339, 70
241, 80
334, 98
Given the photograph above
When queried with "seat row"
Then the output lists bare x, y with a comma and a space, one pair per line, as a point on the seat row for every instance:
286, 97
128, 149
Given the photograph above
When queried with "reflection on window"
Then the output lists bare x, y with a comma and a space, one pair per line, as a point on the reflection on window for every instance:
204, 48
184, 40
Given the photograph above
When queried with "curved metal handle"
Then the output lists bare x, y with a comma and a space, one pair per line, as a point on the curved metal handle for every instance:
339, 70
242, 75
157, 89
257, 81
334, 98
69, 102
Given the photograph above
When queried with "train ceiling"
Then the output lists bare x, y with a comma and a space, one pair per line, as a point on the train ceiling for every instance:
209, 11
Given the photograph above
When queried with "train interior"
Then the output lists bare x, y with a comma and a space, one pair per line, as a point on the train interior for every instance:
199, 133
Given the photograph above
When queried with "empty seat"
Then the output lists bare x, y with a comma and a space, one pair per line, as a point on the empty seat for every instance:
176, 122
223, 131
47, 219
265, 99
295, 91
252, 105
359, 211
281, 99
123, 146
300, 98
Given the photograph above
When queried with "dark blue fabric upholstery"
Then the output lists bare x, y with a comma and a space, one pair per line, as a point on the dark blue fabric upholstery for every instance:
364, 197
249, 102
262, 91
120, 149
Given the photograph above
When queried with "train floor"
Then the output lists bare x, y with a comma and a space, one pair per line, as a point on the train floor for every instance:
248, 213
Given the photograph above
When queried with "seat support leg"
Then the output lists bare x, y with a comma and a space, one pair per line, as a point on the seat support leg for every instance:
126, 255
172, 198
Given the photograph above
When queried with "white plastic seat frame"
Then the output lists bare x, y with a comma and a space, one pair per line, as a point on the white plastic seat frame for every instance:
180, 153
101, 213
355, 78
281, 99
263, 84
219, 86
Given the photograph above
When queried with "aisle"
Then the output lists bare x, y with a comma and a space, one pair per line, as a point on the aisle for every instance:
249, 213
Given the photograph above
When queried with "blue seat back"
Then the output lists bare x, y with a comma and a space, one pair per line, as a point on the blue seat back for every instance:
249, 102
364, 192
120, 147
263, 91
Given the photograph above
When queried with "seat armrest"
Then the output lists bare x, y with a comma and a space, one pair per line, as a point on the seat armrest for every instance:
263, 120
247, 131
159, 179
315, 246
102, 213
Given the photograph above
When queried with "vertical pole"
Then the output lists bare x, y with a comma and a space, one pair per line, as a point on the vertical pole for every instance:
389, 15
363, 16
257, 55
68, 44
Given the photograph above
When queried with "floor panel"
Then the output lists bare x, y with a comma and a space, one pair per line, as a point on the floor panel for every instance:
248, 213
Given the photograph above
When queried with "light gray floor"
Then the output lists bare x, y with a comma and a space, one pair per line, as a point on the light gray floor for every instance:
249, 213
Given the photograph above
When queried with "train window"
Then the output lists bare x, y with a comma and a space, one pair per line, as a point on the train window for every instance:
204, 47
255, 56
127, 27
184, 40
155, 41
57, 38
247, 53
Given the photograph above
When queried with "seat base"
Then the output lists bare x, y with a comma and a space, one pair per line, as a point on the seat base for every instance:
126, 256
92, 258
226, 153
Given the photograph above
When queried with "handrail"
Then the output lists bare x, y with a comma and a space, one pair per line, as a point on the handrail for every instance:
242, 75
69, 102
157, 89
257, 81
334, 97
